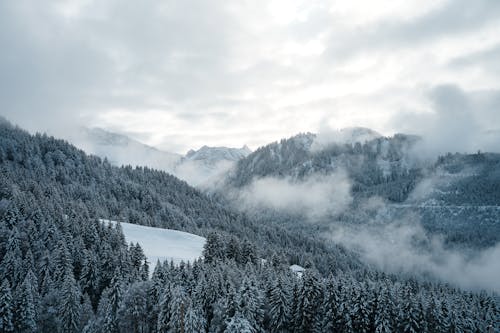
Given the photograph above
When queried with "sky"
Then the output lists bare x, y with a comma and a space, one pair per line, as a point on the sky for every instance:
181, 74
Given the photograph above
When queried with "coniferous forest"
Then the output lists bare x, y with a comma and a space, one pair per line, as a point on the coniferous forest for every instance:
63, 270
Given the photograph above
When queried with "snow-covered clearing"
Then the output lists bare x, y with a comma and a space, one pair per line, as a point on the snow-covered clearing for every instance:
163, 244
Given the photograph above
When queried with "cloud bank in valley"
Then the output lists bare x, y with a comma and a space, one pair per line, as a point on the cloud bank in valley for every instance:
404, 246
314, 197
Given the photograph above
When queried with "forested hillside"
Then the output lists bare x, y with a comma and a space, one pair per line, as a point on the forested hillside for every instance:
456, 195
62, 270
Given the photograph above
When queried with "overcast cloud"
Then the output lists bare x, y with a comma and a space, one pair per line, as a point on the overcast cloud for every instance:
182, 74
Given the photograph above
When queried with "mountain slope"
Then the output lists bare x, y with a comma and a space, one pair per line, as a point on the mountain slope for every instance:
142, 196
198, 168
64, 270
121, 150
387, 169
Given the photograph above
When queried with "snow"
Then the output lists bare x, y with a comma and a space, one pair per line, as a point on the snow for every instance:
163, 244
299, 270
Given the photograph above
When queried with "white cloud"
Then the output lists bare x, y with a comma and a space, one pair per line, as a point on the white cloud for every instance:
314, 197
212, 72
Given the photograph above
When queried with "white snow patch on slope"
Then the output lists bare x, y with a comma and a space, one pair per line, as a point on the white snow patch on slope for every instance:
163, 244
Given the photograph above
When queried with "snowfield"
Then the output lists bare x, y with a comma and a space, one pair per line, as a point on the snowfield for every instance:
163, 244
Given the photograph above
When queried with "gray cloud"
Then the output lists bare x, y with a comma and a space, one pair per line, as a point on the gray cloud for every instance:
458, 121
451, 18
199, 69
485, 60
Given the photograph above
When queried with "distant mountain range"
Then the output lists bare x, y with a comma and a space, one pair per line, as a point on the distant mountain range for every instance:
197, 167
447, 193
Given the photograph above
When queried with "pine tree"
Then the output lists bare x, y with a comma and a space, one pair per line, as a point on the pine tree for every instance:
239, 324
133, 312
361, 311
311, 297
331, 307
90, 278
194, 320
163, 321
383, 312
11, 265
279, 304
6, 324
25, 309
409, 313
213, 249
250, 303
178, 305
70, 307
114, 296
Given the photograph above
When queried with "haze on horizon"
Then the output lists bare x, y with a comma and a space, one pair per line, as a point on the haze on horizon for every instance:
182, 74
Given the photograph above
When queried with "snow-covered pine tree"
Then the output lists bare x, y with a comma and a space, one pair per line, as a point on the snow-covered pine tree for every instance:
279, 306
383, 311
331, 306
114, 295
178, 305
250, 303
408, 316
213, 249
239, 324
311, 297
194, 320
361, 310
70, 307
25, 315
163, 321
11, 265
133, 311
6, 320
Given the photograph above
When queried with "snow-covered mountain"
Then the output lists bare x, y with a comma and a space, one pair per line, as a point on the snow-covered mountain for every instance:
204, 167
349, 135
122, 150
213, 155
200, 167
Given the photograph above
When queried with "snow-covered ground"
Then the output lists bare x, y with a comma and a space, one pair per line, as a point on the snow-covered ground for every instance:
163, 244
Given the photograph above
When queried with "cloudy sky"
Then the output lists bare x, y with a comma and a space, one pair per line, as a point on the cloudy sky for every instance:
178, 74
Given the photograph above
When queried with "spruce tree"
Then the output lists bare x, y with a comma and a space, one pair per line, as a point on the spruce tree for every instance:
25, 315
239, 324
6, 323
70, 306
279, 306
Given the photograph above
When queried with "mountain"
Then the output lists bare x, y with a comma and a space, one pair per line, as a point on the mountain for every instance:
206, 166
63, 270
213, 155
199, 168
122, 150
447, 194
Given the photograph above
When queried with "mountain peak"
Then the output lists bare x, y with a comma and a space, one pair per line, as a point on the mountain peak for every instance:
214, 154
